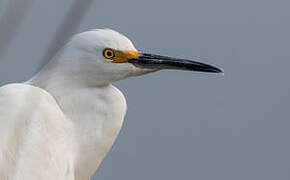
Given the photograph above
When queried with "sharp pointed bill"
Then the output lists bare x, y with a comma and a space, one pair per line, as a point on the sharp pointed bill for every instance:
74, 93
146, 60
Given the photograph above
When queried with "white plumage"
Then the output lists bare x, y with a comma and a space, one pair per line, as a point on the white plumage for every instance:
60, 124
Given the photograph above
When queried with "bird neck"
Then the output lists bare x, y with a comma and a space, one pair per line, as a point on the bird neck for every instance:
56, 74
95, 114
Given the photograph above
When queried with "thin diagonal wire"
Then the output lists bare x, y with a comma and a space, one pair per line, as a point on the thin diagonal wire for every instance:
10, 22
67, 28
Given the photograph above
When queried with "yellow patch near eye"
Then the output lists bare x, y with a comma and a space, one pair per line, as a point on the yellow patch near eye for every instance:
119, 56
109, 53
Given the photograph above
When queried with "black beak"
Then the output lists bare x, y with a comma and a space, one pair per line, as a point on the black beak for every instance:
162, 62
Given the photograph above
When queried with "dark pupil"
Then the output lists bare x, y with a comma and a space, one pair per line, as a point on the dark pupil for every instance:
109, 53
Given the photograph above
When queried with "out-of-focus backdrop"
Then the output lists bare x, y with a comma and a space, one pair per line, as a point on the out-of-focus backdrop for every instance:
182, 125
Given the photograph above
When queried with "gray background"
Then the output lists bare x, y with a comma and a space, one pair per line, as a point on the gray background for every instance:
184, 125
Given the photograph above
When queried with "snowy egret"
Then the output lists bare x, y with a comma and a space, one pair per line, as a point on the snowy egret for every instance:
61, 123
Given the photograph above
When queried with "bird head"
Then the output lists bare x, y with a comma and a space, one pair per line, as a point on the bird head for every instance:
103, 56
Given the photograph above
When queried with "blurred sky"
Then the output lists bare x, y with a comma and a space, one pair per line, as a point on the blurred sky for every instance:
184, 125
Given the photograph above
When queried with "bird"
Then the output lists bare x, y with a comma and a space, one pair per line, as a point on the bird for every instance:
61, 123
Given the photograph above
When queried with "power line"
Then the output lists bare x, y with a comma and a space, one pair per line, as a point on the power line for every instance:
67, 28
10, 22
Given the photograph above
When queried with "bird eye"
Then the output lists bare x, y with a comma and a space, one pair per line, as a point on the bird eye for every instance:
108, 53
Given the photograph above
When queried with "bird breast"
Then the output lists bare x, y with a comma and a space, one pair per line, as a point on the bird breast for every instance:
96, 117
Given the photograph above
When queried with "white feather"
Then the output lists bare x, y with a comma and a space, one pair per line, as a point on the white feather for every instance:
61, 123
